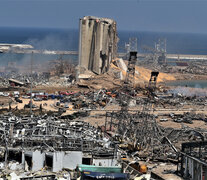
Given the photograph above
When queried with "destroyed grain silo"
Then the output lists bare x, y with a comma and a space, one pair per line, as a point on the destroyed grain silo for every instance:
97, 45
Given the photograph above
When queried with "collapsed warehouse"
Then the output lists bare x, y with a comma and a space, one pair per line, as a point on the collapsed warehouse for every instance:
48, 141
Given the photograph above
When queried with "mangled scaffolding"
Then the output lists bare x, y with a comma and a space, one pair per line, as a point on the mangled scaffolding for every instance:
138, 129
131, 67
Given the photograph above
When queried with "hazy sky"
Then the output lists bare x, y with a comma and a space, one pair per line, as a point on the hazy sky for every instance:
140, 15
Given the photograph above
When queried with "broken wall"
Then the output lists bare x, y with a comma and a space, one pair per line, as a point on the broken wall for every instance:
37, 158
97, 44
57, 161
72, 159
105, 162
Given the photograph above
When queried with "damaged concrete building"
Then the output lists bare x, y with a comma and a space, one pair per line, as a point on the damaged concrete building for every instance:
49, 141
97, 44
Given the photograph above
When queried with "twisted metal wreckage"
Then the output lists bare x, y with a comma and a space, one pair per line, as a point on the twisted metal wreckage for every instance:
48, 141
51, 141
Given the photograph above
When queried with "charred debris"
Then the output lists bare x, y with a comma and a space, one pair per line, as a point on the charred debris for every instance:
132, 136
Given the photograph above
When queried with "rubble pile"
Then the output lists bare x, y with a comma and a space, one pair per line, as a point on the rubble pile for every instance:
135, 129
47, 134
140, 134
37, 79
198, 68
143, 137
131, 122
48, 131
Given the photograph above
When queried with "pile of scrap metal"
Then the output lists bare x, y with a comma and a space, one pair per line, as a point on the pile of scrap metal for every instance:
30, 144
142, 138
14, 79
89, 100
23, 80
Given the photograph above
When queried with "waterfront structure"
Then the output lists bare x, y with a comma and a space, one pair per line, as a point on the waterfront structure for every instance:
97, 44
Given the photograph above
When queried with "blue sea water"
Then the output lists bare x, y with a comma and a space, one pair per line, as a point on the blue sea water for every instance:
189, 83
39, 38
67, 39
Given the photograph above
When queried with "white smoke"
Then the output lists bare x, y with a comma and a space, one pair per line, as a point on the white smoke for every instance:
49, 42
187, 91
